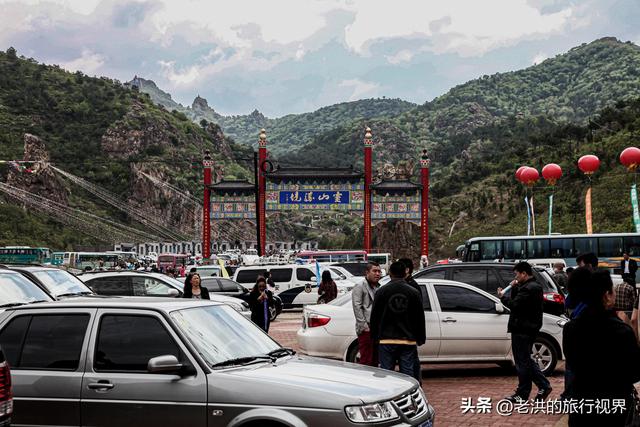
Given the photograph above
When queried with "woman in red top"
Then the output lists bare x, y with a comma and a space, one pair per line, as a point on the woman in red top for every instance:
328, 290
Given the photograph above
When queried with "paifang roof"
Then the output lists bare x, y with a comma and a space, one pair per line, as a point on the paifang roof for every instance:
235, 185
335, 174
395, 186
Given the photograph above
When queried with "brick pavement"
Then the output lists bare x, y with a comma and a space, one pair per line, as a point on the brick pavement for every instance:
446, 385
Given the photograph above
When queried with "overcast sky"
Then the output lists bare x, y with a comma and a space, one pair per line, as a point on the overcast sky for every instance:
292, 56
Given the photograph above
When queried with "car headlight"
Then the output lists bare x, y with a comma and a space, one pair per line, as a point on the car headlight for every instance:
371, 413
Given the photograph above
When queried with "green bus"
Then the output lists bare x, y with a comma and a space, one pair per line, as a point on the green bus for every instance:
24, 255
57, 258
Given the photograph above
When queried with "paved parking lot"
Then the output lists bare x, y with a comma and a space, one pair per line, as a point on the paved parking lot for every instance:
446, 386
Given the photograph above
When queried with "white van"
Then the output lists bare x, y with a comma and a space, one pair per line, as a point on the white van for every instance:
296, 284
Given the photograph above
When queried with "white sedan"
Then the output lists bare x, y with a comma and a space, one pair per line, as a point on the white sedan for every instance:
463, 324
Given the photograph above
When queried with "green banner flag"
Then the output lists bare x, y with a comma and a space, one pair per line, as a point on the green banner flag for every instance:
550, 212
634, 205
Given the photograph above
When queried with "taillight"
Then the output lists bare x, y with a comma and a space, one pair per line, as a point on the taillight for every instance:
314, 320
555, 297
6, 396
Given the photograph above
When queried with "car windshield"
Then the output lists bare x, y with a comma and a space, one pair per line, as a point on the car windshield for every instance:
60, 282
16, 289
337, 275
220, 334
174, 282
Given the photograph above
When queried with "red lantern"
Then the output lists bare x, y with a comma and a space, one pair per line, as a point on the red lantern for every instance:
589, 164
519, 172
529, 176
630, 158
552, 173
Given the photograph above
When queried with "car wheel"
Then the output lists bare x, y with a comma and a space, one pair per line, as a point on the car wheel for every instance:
273, 313
545, 355
353, 355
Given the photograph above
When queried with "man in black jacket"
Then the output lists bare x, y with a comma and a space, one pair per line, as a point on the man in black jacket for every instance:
397, 323
525, 321
629, 266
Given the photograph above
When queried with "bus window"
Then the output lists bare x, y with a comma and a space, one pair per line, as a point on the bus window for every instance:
513, 249
609, 247
490, 250
561, 248
538, 248
585, 245
632, 245
473, 254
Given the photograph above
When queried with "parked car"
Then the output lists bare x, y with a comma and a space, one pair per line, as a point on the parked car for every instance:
168, 362
296, 284
463, 324
6, 392
15, 289
140, 283
356, 268
489, 276
227, 287
56, 282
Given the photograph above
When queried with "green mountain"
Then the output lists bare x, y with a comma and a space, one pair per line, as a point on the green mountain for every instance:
566, 89
284, 133
477, 134
109, 134
582, 102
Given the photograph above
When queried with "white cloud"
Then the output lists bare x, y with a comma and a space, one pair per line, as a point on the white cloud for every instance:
400, 57
89, 63
359, 89
540, 56
464, 27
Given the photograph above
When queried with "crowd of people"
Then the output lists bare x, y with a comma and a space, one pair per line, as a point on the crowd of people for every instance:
600, 340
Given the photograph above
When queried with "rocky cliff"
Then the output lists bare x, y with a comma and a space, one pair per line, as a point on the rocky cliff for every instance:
38, 177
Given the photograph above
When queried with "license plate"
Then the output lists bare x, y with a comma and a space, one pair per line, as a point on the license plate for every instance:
427, 423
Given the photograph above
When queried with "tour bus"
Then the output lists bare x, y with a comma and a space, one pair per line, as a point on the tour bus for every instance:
24, 255
57, 258
607, 247
172, 260
333, 256
90, 260
127, 256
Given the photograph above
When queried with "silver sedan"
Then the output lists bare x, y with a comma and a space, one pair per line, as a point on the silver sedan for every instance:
463, 324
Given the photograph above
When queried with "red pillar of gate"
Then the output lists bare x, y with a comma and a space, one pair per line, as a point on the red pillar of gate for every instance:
368, 144
207, 163
424, 229
260, 209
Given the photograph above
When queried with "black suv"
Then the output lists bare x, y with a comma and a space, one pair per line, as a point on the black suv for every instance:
491, 276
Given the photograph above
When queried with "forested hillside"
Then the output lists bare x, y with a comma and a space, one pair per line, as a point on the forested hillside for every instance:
285, 133
102, 131
477, 135
583, 102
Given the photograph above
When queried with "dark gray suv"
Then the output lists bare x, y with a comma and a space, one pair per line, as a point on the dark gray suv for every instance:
489, 276
182, 362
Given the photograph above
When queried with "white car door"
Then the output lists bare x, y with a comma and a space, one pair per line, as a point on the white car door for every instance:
430, 350
471, 327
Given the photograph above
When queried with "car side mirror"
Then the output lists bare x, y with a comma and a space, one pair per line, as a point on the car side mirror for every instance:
500, 308
313, 279
173, 293
167, 364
